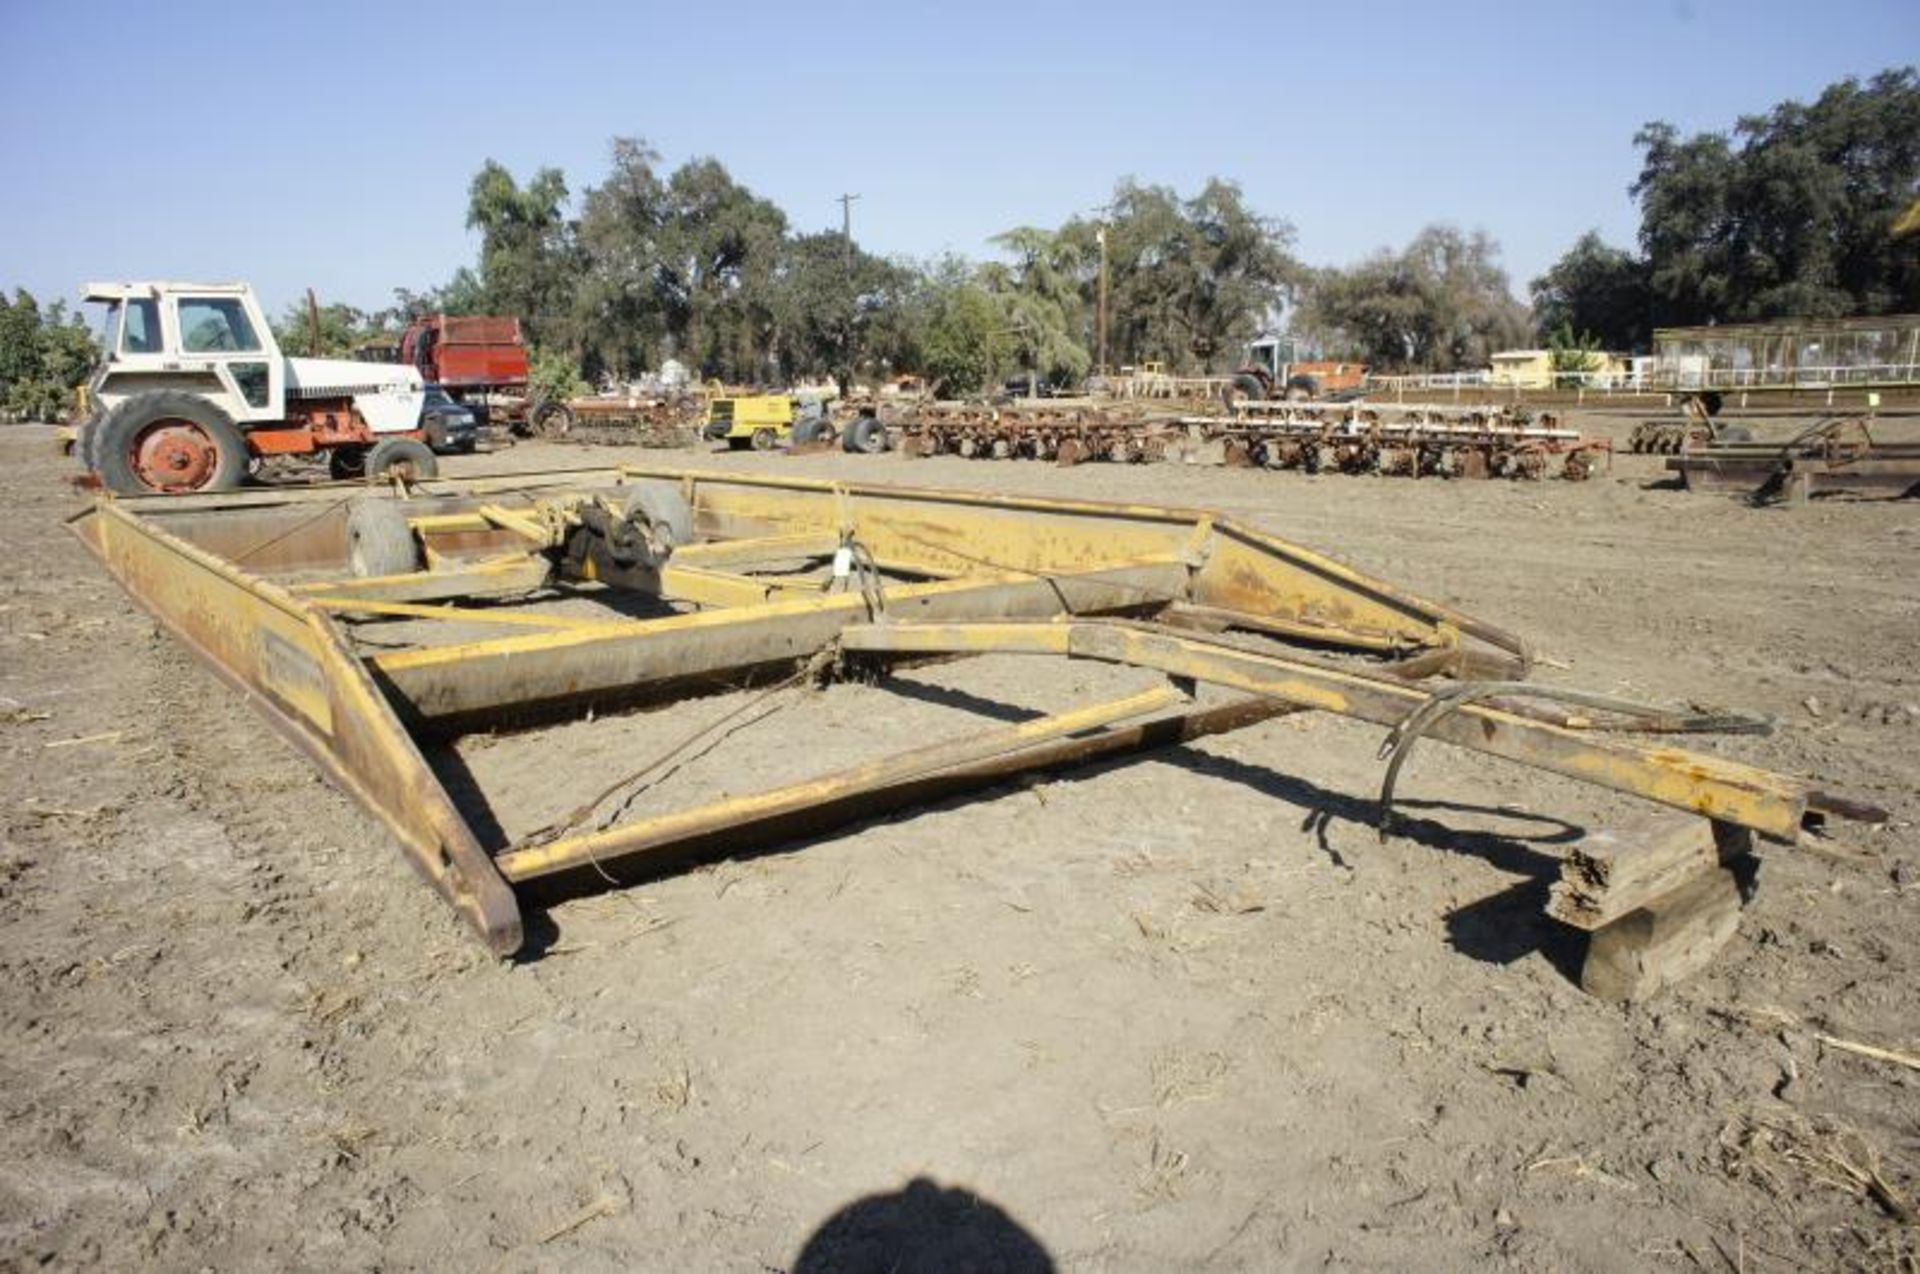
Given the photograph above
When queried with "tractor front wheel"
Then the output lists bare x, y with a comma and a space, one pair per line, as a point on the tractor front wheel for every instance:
168, 443
407, 458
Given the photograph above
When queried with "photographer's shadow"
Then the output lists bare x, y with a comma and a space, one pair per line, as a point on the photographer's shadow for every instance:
922, 1226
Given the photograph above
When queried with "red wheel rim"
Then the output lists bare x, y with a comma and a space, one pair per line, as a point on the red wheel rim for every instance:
174, 455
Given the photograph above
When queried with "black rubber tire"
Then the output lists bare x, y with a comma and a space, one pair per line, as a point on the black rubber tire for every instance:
552, 420
113, 440
809, 430
865, 436
764, 439
390, 454
346, 464
1302, 388
664, 506
379, 541
1241, 388
86, 441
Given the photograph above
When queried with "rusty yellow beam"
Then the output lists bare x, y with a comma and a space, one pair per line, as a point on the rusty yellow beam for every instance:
459, 614
1708, 785
519, 523
714, 554
449, 523
292, 664
628, 840
506, 673
1233, 567
513, 573
680, 583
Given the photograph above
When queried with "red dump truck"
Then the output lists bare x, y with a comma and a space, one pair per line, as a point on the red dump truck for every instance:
481, 361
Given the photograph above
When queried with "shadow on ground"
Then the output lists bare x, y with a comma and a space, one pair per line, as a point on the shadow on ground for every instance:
922, 1226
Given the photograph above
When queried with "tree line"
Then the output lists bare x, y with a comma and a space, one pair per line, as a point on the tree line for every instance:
44, 354
1787, 214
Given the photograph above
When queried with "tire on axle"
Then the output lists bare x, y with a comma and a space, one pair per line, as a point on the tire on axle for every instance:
379, 540
865, 435
407, 458
168, 443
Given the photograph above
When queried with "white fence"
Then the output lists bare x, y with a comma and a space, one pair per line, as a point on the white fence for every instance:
1688, 375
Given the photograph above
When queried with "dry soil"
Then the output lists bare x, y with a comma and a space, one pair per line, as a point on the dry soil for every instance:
1183, 1013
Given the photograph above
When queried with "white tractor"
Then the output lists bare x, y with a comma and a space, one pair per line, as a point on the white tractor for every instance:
194, 393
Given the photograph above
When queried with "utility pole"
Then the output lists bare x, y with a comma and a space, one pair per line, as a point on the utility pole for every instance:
845, 377
1100, 321
846, 224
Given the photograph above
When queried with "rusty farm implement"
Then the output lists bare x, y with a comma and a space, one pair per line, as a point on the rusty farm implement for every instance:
1355, 438
377, 630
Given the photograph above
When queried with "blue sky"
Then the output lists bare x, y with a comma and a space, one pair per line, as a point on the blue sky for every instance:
330, 144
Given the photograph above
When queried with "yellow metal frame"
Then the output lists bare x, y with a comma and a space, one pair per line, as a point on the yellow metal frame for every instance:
495, 630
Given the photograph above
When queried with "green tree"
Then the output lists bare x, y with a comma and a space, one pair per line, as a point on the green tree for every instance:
553, 375
1441, 304
43, 358
963, 346
686, 265
1042, 302
1790, 215
621, 302
1190, 280
342, 330
19, 340
528, 261
1597, 289
68, 350
720, 252
1569, 354
462, 294
829, 307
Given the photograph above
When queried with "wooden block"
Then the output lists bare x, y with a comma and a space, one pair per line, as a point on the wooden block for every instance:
1611, 874
1663, 941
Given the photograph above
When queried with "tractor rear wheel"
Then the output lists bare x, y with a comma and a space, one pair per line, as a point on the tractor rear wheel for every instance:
407, 458
1243, 386
168, 443
86, 441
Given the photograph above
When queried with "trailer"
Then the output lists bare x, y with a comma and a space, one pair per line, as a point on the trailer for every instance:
377, 630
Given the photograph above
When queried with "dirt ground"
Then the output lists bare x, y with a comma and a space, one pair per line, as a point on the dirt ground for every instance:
1182, 1013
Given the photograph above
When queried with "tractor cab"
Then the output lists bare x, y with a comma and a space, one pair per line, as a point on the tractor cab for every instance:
209, 339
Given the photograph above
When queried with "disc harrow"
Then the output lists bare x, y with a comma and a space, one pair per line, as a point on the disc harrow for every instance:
1354, 438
